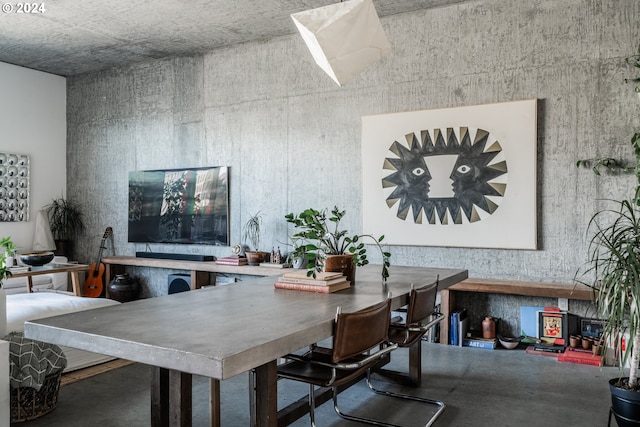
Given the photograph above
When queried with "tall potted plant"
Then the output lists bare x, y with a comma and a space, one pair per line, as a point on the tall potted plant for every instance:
327, 243
614, 266
66, 222
252, 233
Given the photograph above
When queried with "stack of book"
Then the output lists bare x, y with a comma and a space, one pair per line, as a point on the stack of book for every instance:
458, 327
232, 260
580, 356
475, 339
324, 282
275, 264
544, 350
479, 342
549, 347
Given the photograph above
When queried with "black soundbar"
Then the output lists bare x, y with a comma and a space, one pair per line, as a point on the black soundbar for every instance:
181, 257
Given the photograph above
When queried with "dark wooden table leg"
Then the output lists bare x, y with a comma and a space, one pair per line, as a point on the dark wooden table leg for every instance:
170, 398
180, 409
214, 402
159, 397
267, 395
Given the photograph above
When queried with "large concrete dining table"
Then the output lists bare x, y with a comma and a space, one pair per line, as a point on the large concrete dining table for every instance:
222, 331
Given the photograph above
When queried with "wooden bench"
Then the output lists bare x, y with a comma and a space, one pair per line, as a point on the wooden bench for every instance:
507, 287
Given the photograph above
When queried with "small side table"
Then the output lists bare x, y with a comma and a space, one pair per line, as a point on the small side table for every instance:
72, 269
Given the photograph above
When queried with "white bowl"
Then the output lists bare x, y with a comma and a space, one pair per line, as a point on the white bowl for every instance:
509, 342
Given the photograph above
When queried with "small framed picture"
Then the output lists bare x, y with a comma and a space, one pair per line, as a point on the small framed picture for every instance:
556, 326
552, 325
591, 327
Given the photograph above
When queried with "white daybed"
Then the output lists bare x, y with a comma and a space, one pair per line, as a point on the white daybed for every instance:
22, 307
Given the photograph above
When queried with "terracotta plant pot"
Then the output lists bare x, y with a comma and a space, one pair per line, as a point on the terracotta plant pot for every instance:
575, 341
343, 264
255, 258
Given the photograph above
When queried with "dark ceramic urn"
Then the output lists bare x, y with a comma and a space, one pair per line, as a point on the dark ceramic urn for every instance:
123, 288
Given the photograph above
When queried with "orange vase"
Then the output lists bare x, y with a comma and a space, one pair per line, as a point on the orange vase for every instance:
488, 328
343, 264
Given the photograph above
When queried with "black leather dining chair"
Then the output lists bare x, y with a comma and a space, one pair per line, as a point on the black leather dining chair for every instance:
360, 341
421, 316
354, 335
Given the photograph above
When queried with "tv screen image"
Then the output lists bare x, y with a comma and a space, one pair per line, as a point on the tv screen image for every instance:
189, 206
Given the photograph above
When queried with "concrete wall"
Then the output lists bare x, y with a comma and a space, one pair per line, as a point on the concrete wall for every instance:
292, 137
33, 122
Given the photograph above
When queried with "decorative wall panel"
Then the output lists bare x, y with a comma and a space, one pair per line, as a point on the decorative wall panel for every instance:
14, 187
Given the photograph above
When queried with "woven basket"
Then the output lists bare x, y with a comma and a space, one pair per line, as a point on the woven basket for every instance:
28, 404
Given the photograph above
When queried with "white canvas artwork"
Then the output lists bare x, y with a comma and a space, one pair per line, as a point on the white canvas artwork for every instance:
459, 177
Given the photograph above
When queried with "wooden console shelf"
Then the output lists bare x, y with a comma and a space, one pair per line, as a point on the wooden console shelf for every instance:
199, 269
517, 287
507, 287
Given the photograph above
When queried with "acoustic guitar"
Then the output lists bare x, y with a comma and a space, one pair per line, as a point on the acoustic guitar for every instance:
94, 284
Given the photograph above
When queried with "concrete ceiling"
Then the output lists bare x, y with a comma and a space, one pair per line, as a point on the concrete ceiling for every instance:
73, 37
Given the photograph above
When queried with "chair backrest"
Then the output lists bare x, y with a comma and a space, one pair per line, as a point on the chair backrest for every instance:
422, 302
360, 331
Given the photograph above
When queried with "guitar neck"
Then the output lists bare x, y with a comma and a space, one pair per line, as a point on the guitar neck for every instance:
107, 233
99, 258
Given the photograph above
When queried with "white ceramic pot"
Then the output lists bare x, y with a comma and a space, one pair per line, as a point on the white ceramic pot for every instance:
298, 262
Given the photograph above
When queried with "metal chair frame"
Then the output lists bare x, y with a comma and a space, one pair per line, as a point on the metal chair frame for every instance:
415, 327
335, 374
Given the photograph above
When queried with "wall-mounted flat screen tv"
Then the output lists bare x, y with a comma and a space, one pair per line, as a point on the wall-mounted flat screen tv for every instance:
189, 206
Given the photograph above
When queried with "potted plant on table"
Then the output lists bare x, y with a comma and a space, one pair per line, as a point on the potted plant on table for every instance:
66, 222
330, 248
8, 247
614, 266
252, 232
297, 257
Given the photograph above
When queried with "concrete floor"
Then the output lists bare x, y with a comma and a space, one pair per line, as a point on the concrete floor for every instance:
480, 387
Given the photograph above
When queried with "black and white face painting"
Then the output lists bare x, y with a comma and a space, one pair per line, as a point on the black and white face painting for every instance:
440, 179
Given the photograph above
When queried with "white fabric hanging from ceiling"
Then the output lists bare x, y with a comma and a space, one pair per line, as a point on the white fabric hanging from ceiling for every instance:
344, 38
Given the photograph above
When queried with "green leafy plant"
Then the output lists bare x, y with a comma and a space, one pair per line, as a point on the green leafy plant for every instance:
609, 164
634, 61
614, 261
298, 250
9, 247
65, 219
252, 230
615, 166
323, 236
